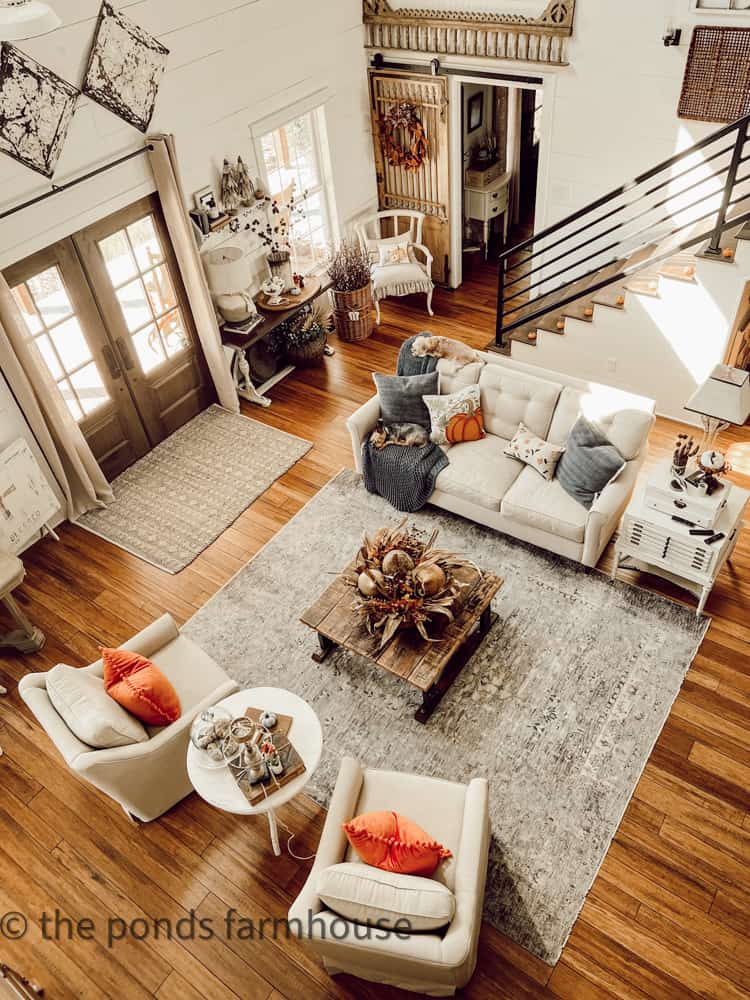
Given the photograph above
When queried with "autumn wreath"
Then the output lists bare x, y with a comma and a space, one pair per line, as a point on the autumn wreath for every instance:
411, 154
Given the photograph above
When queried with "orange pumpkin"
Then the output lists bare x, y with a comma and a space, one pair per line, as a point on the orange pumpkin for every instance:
465, 427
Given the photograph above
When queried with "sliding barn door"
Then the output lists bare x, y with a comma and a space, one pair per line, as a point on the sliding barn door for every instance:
425, 189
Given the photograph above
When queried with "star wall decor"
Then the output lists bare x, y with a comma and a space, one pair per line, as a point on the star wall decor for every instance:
125, 68
36, 108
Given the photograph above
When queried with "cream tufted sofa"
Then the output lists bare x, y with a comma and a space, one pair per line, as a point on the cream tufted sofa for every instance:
481, 483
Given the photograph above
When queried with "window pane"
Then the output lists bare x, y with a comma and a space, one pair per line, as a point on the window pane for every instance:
134, 304
50, 296
70, 399
173, 333
145, 242
48, 356
159, 290
301, 141
71, 344
26, 305
117, 258
89, 387
148, 348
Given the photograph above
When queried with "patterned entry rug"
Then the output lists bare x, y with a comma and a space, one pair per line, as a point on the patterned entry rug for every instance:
172, 503
559, 707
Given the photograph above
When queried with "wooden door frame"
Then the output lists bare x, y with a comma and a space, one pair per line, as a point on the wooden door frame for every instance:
85, 241
741, 323
63, 256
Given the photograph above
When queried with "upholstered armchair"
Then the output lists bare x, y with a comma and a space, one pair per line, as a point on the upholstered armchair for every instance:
436, 962
146, 778
395, 264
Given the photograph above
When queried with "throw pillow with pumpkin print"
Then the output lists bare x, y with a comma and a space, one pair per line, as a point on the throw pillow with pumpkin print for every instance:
455, 417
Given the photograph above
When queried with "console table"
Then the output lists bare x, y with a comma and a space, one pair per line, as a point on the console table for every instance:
238, 344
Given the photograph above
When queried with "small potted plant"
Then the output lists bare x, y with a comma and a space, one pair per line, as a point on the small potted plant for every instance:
349, 271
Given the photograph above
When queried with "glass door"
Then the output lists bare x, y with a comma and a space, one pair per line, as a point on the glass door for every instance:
67, 337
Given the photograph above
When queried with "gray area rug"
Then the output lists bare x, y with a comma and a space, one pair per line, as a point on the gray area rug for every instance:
172, 503
560, 706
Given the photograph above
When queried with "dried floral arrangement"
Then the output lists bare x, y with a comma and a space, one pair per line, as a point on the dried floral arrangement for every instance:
403, 137
310, 323
403, 581
348, 266
685, 448
273, 229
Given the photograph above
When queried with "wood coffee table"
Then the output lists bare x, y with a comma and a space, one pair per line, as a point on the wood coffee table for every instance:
431, 667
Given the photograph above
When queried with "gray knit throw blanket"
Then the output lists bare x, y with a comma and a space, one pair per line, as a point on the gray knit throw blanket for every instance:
405, 477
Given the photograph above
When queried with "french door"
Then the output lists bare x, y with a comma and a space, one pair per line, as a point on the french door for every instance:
426, 189
106, 313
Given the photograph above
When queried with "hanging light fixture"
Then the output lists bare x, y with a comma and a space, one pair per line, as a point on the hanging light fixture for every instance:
26, 19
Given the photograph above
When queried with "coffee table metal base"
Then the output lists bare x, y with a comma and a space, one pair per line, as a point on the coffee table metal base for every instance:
432, 697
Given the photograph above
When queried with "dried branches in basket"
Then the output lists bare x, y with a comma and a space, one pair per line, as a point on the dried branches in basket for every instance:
404, 581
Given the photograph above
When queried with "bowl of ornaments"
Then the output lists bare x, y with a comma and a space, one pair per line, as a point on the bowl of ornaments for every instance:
208, 732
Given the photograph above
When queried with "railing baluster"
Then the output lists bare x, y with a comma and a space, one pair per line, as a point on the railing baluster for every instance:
714, 247
500, 303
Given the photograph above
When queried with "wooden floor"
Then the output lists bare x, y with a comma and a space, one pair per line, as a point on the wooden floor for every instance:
669, 913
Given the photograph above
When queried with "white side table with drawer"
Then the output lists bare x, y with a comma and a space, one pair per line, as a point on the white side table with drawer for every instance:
652, 541
487, 203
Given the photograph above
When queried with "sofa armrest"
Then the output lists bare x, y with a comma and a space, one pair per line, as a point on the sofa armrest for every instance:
460, 941
33, 690
333, 842
361, 423
608, 508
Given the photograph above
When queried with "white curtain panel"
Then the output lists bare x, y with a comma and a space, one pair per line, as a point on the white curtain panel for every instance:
59, 436
163, 159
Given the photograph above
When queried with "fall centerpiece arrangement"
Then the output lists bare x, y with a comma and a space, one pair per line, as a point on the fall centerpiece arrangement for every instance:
402, 580
403, 137
351, 288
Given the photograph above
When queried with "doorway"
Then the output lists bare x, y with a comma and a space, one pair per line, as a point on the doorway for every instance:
106, 315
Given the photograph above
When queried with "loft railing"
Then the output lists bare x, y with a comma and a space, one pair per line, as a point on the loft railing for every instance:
693, 205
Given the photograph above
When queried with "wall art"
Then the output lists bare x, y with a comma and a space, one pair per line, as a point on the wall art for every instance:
125, 68
36, 108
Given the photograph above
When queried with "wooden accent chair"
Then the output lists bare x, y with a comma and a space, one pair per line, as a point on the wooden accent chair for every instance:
405, 273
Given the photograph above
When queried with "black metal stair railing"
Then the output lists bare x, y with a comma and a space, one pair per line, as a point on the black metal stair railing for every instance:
716, 201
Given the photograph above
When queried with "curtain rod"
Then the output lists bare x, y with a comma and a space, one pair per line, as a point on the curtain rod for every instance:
58, 189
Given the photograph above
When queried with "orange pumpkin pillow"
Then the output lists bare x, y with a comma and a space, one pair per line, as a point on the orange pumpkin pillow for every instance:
456, 416
140, 687
395, 844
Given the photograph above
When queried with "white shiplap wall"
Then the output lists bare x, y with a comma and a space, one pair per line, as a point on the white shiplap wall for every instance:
231, 62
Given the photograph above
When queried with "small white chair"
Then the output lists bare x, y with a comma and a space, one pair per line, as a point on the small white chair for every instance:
405, 277
145, 778
436, 963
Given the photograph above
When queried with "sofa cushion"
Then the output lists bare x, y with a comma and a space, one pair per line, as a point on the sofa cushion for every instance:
435, 804
456, 417
386, 839
479, 472
401, 397
510, 397
80, 699
453, 379
589, 462
137, 684
370, 896
625, 418
544, 505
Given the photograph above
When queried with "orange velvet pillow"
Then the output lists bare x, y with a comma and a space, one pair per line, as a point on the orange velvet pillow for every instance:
140, 687
395, 844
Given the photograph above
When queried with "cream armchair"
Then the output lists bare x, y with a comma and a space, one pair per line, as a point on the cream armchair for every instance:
405, 277
437, 962
145, 778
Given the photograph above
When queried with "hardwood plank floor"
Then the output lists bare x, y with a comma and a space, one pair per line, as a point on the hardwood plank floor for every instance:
667, 918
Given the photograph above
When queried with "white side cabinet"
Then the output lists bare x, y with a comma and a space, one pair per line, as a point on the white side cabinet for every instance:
487, 203
654, 542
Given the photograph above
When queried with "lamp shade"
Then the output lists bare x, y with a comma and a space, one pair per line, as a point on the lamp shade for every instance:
228, 270
26, 19
725, 396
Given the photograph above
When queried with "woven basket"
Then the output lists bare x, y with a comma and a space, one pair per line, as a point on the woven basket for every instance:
353, 313
307, 354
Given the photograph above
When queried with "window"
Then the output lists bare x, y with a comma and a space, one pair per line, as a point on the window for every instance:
293, 158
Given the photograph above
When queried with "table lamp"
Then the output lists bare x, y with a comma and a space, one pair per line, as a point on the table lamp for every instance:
229, 274
723, 399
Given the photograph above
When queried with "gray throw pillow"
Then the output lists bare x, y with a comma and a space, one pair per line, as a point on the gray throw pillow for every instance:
588, 463
401, 397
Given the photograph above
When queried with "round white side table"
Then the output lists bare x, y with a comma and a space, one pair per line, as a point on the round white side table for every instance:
217, 785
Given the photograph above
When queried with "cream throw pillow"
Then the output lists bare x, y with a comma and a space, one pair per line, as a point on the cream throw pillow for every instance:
88, 711
394, 253
369, 895
455, 417
535, 451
